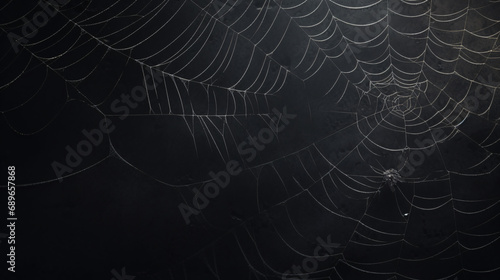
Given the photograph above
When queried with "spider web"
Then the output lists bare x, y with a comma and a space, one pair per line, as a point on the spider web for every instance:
375, 85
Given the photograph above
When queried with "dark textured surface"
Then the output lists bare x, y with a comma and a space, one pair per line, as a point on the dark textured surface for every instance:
221, 81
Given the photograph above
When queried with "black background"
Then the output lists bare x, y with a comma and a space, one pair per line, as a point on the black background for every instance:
320, 176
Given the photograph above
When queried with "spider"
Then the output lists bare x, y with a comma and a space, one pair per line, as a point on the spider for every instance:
392, 177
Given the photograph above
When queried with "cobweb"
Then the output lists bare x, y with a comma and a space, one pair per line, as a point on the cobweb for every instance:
407, 86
